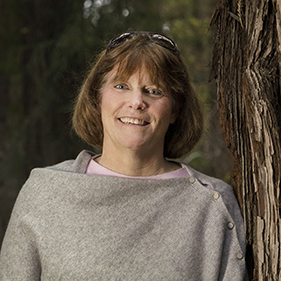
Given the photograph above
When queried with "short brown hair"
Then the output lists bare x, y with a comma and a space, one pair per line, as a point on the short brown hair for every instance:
164, 68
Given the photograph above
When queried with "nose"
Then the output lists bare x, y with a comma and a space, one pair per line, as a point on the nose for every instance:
137, 100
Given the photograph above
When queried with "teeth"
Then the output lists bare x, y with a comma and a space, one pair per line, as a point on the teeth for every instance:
133, 121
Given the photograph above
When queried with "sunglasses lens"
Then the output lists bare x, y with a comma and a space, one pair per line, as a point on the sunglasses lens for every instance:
165, 41
155, 37
120, 39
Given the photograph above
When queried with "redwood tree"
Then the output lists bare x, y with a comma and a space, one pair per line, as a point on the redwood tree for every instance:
246, 66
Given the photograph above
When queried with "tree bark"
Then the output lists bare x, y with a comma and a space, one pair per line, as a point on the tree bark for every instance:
246, 66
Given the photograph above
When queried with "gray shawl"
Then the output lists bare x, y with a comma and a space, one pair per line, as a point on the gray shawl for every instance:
67, 225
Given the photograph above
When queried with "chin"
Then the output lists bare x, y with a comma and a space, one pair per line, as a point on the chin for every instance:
134, 146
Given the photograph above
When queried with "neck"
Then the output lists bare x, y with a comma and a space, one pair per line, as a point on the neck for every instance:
135, 163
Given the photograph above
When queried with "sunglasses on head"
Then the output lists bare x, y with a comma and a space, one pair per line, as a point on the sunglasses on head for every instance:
159, 39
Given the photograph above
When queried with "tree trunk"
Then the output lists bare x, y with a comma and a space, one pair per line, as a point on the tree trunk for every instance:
246, 66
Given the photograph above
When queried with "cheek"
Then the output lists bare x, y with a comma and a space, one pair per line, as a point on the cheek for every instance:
104, 101
169, 111
163, 112
109, 104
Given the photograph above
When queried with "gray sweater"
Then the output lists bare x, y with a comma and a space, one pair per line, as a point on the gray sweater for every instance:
67, 225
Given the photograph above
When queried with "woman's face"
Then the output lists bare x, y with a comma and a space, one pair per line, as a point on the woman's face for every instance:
135, 113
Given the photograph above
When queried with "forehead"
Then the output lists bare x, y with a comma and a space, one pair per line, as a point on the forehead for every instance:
122, 73
118, 75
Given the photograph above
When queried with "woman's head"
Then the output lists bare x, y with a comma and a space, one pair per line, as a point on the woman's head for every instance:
128, 53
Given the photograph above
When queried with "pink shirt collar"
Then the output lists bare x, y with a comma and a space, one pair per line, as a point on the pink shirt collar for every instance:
95, 168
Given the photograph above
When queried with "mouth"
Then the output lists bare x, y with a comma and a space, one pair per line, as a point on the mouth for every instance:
133, 121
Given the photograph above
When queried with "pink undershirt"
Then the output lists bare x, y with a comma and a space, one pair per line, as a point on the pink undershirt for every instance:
95, 168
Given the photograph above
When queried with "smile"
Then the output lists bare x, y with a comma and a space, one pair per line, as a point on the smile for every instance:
133, 121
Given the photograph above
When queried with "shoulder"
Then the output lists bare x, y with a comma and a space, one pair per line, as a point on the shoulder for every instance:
65, 169
224, 193
78, 165
217, 185
221, 189
44, 183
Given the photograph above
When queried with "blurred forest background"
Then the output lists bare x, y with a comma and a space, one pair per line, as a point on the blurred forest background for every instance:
46, 47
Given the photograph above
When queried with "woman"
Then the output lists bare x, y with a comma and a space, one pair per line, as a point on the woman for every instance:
128, 213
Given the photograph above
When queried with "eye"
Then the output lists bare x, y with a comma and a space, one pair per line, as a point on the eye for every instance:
121, 86
154, 92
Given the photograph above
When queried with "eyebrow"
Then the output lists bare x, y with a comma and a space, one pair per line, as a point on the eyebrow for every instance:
109, 79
